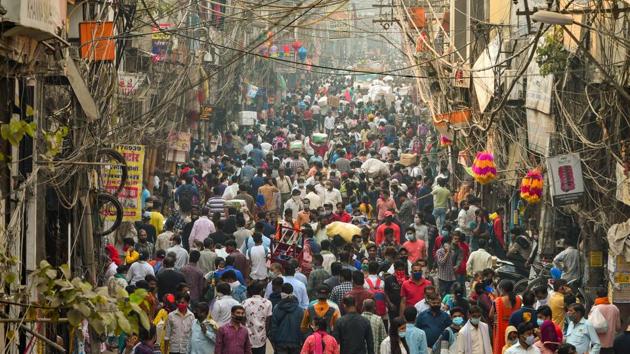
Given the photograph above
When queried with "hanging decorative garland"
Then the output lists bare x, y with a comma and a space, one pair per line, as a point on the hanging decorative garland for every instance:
483, 168
532, 186
445, 141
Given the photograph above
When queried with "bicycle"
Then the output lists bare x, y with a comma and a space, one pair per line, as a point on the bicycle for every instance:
106, 182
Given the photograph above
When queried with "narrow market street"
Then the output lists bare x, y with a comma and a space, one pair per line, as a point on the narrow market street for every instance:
315, 177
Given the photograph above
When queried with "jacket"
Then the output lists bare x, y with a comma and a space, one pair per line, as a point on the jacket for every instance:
285, 323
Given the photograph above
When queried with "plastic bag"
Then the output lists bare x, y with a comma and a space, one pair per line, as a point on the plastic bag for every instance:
345, 230
598, 321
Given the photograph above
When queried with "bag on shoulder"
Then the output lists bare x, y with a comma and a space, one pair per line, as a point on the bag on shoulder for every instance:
379, 296
328, 316
598, 321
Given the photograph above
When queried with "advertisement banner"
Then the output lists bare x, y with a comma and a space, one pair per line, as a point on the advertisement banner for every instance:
565, 177
160, 41
130, 197
179, 141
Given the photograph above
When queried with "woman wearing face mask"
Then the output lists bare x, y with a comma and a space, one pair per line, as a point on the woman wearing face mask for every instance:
511, 338
393, 344
549, 338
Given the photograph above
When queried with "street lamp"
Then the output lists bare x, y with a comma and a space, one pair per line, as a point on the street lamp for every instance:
554, 18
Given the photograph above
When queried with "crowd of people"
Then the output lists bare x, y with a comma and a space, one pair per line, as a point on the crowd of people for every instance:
336, 230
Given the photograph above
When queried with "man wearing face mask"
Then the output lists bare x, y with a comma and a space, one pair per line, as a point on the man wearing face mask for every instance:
412, 290
434, 321
448, 338
473, 337
294, 203
526, 340
415, 337
233, 337
178, 326
416, 249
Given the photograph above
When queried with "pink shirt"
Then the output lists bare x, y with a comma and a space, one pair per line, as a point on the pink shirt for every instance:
200, 230
611, 314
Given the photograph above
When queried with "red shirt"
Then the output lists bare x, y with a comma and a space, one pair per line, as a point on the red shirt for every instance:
497, 226
380, 233
463, 246
308, 115
343, 217
412, 292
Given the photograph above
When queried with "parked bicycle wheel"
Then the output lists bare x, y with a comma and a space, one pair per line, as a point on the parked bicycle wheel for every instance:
109, 214
113, 173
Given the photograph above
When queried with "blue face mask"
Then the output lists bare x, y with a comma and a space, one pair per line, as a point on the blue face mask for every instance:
401, 334
540, 322
458, 321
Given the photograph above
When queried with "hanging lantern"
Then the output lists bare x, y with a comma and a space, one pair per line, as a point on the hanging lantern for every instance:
286, 49
531, 186
483, 168
302, 53
273, 51
269, 35
296, 45
445, 141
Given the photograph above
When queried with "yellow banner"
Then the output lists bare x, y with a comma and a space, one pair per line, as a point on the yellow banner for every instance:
131, 195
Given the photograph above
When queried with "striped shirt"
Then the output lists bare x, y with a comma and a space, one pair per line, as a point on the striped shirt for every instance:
445, 263
216, 205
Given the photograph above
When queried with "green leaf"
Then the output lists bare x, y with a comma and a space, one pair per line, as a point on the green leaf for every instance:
144, 320
10, 277
123, 322
30, 129
121, 293
138, 296
29, 111
65, 270
97, 325
74, 317
84, 309
44, 264
4, 131
15, 126
51, 273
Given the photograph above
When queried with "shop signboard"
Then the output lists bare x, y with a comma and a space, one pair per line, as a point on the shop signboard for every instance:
130, 197
161, 41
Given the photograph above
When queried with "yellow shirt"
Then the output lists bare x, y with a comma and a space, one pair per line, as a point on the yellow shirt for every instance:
556, 303
132, 256
159, 321
157, 220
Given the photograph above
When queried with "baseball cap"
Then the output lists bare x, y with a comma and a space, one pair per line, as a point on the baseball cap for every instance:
322, 292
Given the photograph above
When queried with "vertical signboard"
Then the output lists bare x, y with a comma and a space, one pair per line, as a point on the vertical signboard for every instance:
161, 40
131, 195
565, 177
